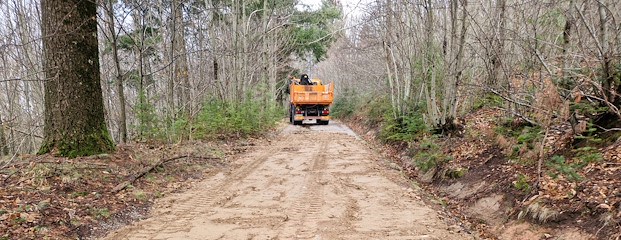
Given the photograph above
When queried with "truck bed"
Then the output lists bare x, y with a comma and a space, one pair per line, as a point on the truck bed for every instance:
312, 94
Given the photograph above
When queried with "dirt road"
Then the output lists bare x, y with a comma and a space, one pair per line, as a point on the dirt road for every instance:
318, 182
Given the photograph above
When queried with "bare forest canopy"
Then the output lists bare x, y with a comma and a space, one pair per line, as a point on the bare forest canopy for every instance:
543, 62
168, 66
169, 70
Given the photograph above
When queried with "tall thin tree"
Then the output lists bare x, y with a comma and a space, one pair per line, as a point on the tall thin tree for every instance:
117, 68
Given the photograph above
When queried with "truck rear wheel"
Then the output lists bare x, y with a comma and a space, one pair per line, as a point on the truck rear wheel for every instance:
292, 116
291, 113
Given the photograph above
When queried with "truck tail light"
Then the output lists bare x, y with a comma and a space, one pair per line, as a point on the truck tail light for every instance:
298, 111
325, 112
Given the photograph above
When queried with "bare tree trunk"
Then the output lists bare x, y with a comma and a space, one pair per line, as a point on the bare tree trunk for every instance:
607, 78
389, 60
4, 147
139, 49
498, 46
4, 141
170, 85
74, 111
219, 87
433, 112
265, 54
459, 58
567, 33
181, 74
30, 147
243, 79
117, 68
457, 41
28, 67
237, 94
273, 64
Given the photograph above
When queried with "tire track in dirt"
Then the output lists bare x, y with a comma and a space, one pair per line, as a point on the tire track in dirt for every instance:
189, 206
319, 182
311, 202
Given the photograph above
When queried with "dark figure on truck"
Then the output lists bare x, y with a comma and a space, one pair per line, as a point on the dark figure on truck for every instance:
304, 80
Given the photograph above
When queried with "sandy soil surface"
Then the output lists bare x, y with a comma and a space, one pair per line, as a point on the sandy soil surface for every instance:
317, 182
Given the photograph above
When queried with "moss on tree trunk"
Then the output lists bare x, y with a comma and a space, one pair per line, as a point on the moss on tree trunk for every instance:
74, 110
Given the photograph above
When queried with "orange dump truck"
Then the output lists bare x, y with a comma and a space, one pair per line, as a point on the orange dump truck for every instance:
310, 103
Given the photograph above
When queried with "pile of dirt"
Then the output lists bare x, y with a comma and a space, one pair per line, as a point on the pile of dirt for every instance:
50, 197
487, 185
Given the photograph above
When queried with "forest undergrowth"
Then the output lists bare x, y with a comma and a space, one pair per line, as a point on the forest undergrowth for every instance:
50, 197
485, 169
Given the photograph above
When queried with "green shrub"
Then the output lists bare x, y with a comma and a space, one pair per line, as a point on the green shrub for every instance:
588, 108
529, 135
489, 100
426, 161
559, 164
503, 126
525, 136
148, 126
403, 129
522, 183
587, 155
225, 118
377, 109
344, 105
141, 196
429, 155
250, 116
181, 128
590, 136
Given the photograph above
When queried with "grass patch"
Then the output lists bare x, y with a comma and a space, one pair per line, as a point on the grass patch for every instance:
71, 175
19, 220
78, 194
152, 178
39, 174
141, 196
539, 212
100, 213
456, 173
582, 158
376, 111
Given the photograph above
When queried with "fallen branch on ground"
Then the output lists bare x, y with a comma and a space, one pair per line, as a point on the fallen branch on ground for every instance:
144, 171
